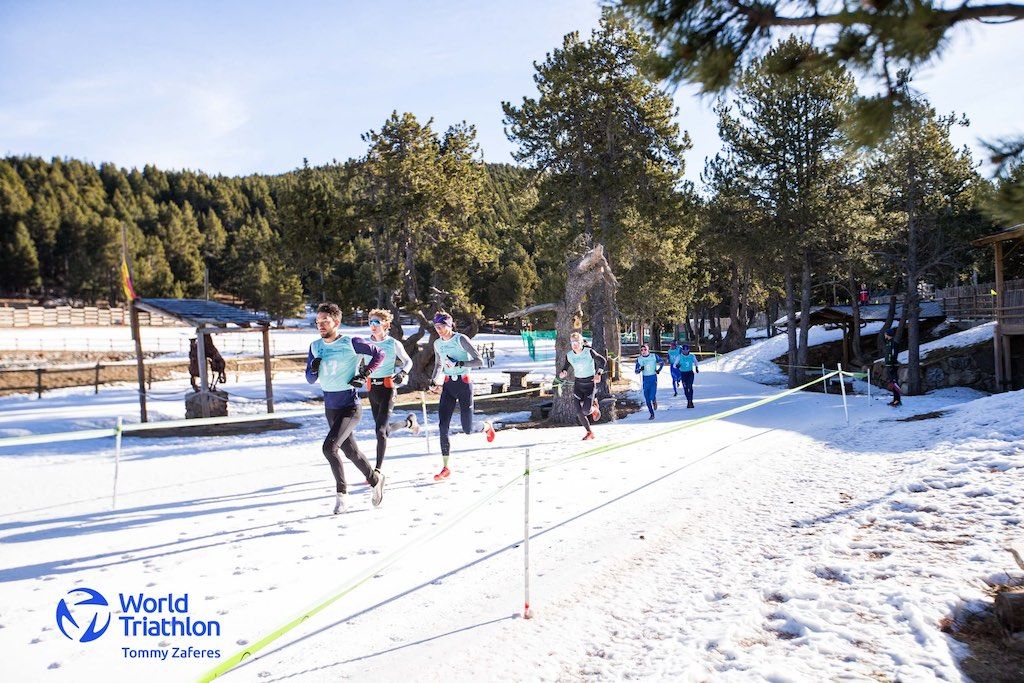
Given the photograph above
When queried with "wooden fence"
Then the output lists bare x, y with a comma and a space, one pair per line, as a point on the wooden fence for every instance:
54, 316
978, 302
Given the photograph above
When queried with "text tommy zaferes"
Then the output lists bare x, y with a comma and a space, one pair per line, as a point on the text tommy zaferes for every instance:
144, 616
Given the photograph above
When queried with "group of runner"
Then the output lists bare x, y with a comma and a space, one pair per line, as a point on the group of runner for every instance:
682, 365
339, 364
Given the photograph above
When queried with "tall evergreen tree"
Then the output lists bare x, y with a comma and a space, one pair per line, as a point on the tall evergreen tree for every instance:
311, 225
783, 133
602, 137
416, 202
927, 193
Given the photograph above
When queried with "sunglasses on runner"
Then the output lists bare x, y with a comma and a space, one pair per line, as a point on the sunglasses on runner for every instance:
374, 323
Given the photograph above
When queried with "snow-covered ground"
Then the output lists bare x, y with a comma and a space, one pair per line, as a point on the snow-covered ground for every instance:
973, 335
755, 361
776, 544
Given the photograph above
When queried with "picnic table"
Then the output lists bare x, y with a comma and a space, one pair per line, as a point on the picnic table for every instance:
515, 379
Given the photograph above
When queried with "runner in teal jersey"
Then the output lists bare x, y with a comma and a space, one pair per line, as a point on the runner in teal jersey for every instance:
335, 361
686, 364
649, 365
383, 382
454, 356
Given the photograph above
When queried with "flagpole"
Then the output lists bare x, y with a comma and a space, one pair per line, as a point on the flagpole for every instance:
129, 292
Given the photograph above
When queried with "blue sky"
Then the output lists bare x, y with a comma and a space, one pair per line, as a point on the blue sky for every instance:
253, 87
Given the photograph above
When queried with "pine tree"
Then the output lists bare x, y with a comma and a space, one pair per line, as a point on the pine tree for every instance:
19, 265
783, 134
927, 192
416, 201
602, 138
311, 225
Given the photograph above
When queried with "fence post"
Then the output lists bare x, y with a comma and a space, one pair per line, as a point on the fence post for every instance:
426, 426
39, 382
824, 382
97, 382
842, 388
527, 612
117, 456
869, 386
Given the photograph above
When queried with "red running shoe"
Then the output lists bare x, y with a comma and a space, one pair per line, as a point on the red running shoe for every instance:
589, 436
489, 431
595, 411
443, 474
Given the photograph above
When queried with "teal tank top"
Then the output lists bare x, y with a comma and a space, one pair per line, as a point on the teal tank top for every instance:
582, 363
648, 364
387, 368
451, 349
338, 363
686, 362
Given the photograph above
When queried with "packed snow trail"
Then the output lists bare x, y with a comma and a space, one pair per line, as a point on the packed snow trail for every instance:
243, 526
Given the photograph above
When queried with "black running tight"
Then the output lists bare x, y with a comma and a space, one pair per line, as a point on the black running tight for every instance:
343, 422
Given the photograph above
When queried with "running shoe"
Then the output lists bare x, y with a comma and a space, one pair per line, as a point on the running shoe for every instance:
378, 489
412, 424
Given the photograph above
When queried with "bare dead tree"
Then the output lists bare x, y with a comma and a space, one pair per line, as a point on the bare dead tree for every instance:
583, 274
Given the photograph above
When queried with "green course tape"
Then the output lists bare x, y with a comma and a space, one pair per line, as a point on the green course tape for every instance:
353, 583
856, 375
240, 656
686, 425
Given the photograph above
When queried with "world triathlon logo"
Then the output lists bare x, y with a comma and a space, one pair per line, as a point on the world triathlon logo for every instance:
80, 614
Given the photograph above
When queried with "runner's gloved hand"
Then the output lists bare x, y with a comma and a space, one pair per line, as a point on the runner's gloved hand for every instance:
359, 379
315, 367
398, 377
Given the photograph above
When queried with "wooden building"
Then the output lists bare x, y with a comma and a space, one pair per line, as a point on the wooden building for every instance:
1008, 312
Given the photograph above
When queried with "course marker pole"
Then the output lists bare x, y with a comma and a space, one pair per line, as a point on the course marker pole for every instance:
869, 385
117, 457
824, 384
842, 388
426, 425
527, 612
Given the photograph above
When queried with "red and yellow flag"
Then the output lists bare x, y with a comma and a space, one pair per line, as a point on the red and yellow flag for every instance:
126, 280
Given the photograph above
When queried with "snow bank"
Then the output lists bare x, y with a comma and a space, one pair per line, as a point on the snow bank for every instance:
755, 361
968, 337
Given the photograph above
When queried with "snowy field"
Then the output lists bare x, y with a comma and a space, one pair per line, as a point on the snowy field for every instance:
968, 337
754, 362
775, 544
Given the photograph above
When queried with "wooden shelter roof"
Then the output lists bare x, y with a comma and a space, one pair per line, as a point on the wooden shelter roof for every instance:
1012, 233
200, 312
930, 310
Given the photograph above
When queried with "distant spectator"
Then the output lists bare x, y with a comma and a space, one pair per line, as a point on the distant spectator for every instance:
892, 368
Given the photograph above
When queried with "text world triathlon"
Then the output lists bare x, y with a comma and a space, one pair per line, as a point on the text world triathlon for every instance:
137, 621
